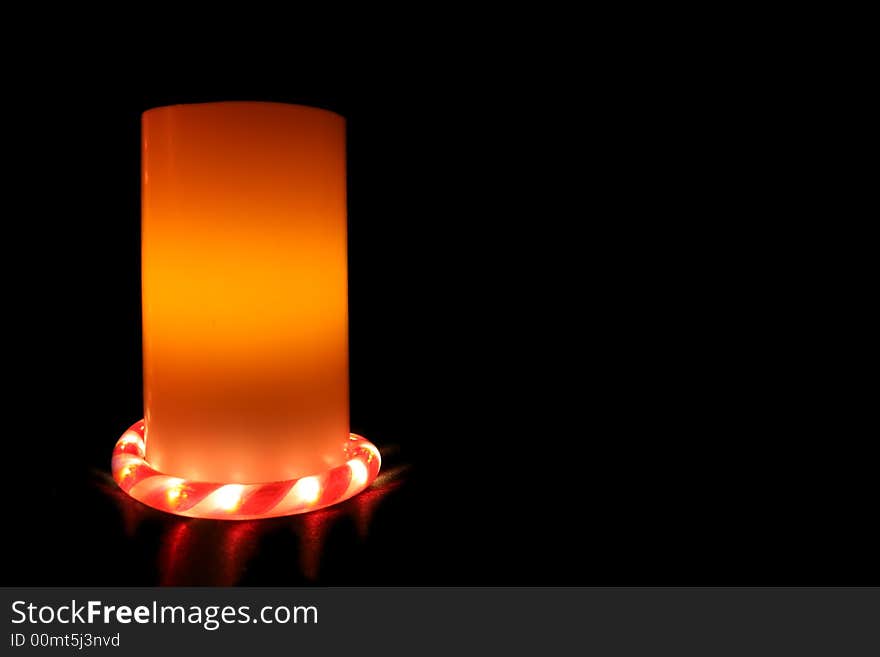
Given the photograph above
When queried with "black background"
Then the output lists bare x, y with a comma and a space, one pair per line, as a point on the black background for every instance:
580, 328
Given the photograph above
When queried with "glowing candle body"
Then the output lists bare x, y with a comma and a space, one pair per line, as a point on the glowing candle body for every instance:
244, 291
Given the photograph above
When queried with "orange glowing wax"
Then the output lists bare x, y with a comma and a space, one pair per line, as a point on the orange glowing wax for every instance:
244, 291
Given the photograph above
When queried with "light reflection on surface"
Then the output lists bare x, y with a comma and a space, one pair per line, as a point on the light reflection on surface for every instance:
196, 552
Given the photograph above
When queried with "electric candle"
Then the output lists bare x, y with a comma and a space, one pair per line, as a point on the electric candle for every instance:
245, 320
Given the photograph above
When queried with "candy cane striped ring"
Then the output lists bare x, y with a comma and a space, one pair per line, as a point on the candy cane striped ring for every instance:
199, 499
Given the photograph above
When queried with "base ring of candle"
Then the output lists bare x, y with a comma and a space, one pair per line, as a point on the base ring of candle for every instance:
199, 499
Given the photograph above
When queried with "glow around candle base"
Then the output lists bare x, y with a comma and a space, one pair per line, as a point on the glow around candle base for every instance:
241, 501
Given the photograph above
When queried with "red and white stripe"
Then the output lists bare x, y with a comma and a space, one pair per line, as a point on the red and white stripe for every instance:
198, 499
